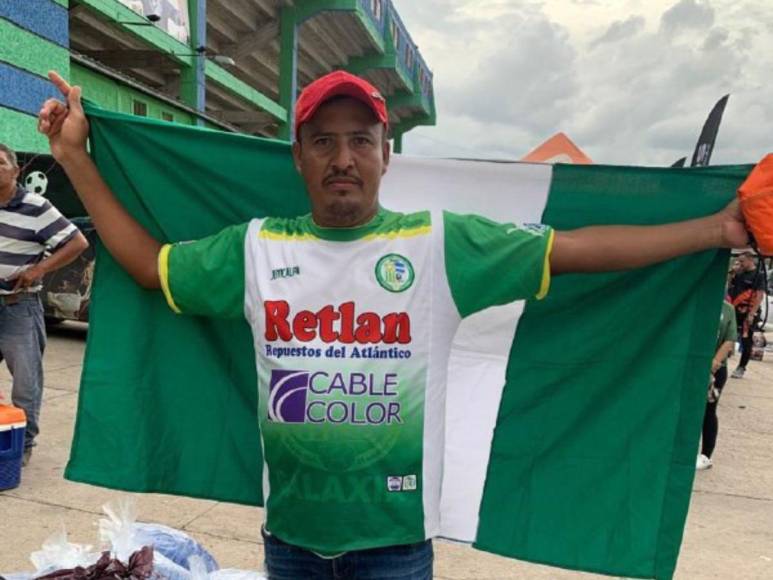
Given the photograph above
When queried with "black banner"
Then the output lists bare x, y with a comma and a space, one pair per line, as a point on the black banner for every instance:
679, 162
705, 146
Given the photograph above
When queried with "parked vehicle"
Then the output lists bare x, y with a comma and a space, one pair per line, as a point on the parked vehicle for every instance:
66, 292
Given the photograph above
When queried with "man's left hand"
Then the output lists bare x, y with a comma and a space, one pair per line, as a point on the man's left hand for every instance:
733, 227
30, 277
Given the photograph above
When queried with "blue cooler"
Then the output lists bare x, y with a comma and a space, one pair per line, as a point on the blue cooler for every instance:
13, 423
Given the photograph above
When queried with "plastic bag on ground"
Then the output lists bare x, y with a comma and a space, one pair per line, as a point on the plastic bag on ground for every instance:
57, 553
173, 544
119, 531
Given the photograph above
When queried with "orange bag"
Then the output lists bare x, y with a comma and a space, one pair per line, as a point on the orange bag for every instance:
756, 195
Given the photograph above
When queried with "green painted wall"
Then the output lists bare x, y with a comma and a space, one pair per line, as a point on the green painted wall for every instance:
20, 132
114, 96
30, 52
36, 55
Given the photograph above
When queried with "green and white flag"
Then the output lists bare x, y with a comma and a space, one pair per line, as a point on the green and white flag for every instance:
562, 431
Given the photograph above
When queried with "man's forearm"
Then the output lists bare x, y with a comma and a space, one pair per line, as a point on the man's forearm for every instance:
724, 351
64, 255
759, 295
611, 248
127, 241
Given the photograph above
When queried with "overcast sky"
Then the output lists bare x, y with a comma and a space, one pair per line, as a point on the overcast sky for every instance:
630, 81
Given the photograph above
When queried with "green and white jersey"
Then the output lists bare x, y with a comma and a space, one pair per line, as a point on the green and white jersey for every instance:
352, 331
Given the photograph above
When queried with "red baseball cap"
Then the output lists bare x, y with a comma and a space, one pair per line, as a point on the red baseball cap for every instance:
338, 84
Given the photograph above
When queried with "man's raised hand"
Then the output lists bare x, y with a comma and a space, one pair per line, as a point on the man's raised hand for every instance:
65, 125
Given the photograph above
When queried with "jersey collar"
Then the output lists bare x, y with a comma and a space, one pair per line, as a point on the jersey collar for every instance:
348, 234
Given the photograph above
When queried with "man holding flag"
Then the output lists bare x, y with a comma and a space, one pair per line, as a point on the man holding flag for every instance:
353, 309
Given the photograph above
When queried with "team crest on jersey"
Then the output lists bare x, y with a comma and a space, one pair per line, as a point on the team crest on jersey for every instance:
395, 273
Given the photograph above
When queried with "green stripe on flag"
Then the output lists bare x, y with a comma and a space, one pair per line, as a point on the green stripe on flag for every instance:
168, 403
593, 456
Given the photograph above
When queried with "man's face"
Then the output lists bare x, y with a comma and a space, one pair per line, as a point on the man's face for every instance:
746, 263
341, 155
8, 173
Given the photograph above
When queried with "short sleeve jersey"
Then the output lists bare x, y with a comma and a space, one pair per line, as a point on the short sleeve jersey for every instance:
352, 332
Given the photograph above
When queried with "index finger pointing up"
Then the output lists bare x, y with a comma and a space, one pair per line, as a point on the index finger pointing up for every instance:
60, 83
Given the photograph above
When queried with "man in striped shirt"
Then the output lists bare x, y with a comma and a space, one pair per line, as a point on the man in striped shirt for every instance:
34, 239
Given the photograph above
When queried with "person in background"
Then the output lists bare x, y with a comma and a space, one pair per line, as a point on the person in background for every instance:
34, 239
735, 269
725, 344
746, 292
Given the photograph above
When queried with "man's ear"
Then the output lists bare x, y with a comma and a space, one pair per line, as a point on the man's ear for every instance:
297, 156
387, 152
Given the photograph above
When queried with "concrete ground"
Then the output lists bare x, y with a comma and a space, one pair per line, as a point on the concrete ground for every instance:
729, 529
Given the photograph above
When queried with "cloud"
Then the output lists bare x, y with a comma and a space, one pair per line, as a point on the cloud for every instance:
621, 30
651, 94
629, 84
525, 78
687, 15
716, 39
510, 79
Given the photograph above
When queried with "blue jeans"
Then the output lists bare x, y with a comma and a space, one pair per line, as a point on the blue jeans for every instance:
22, 341
409, 562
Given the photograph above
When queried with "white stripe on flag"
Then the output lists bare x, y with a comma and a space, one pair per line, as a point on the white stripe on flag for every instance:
504, 192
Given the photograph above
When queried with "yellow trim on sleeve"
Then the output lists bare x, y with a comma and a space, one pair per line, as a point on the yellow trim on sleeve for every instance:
545, 285
163, 276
